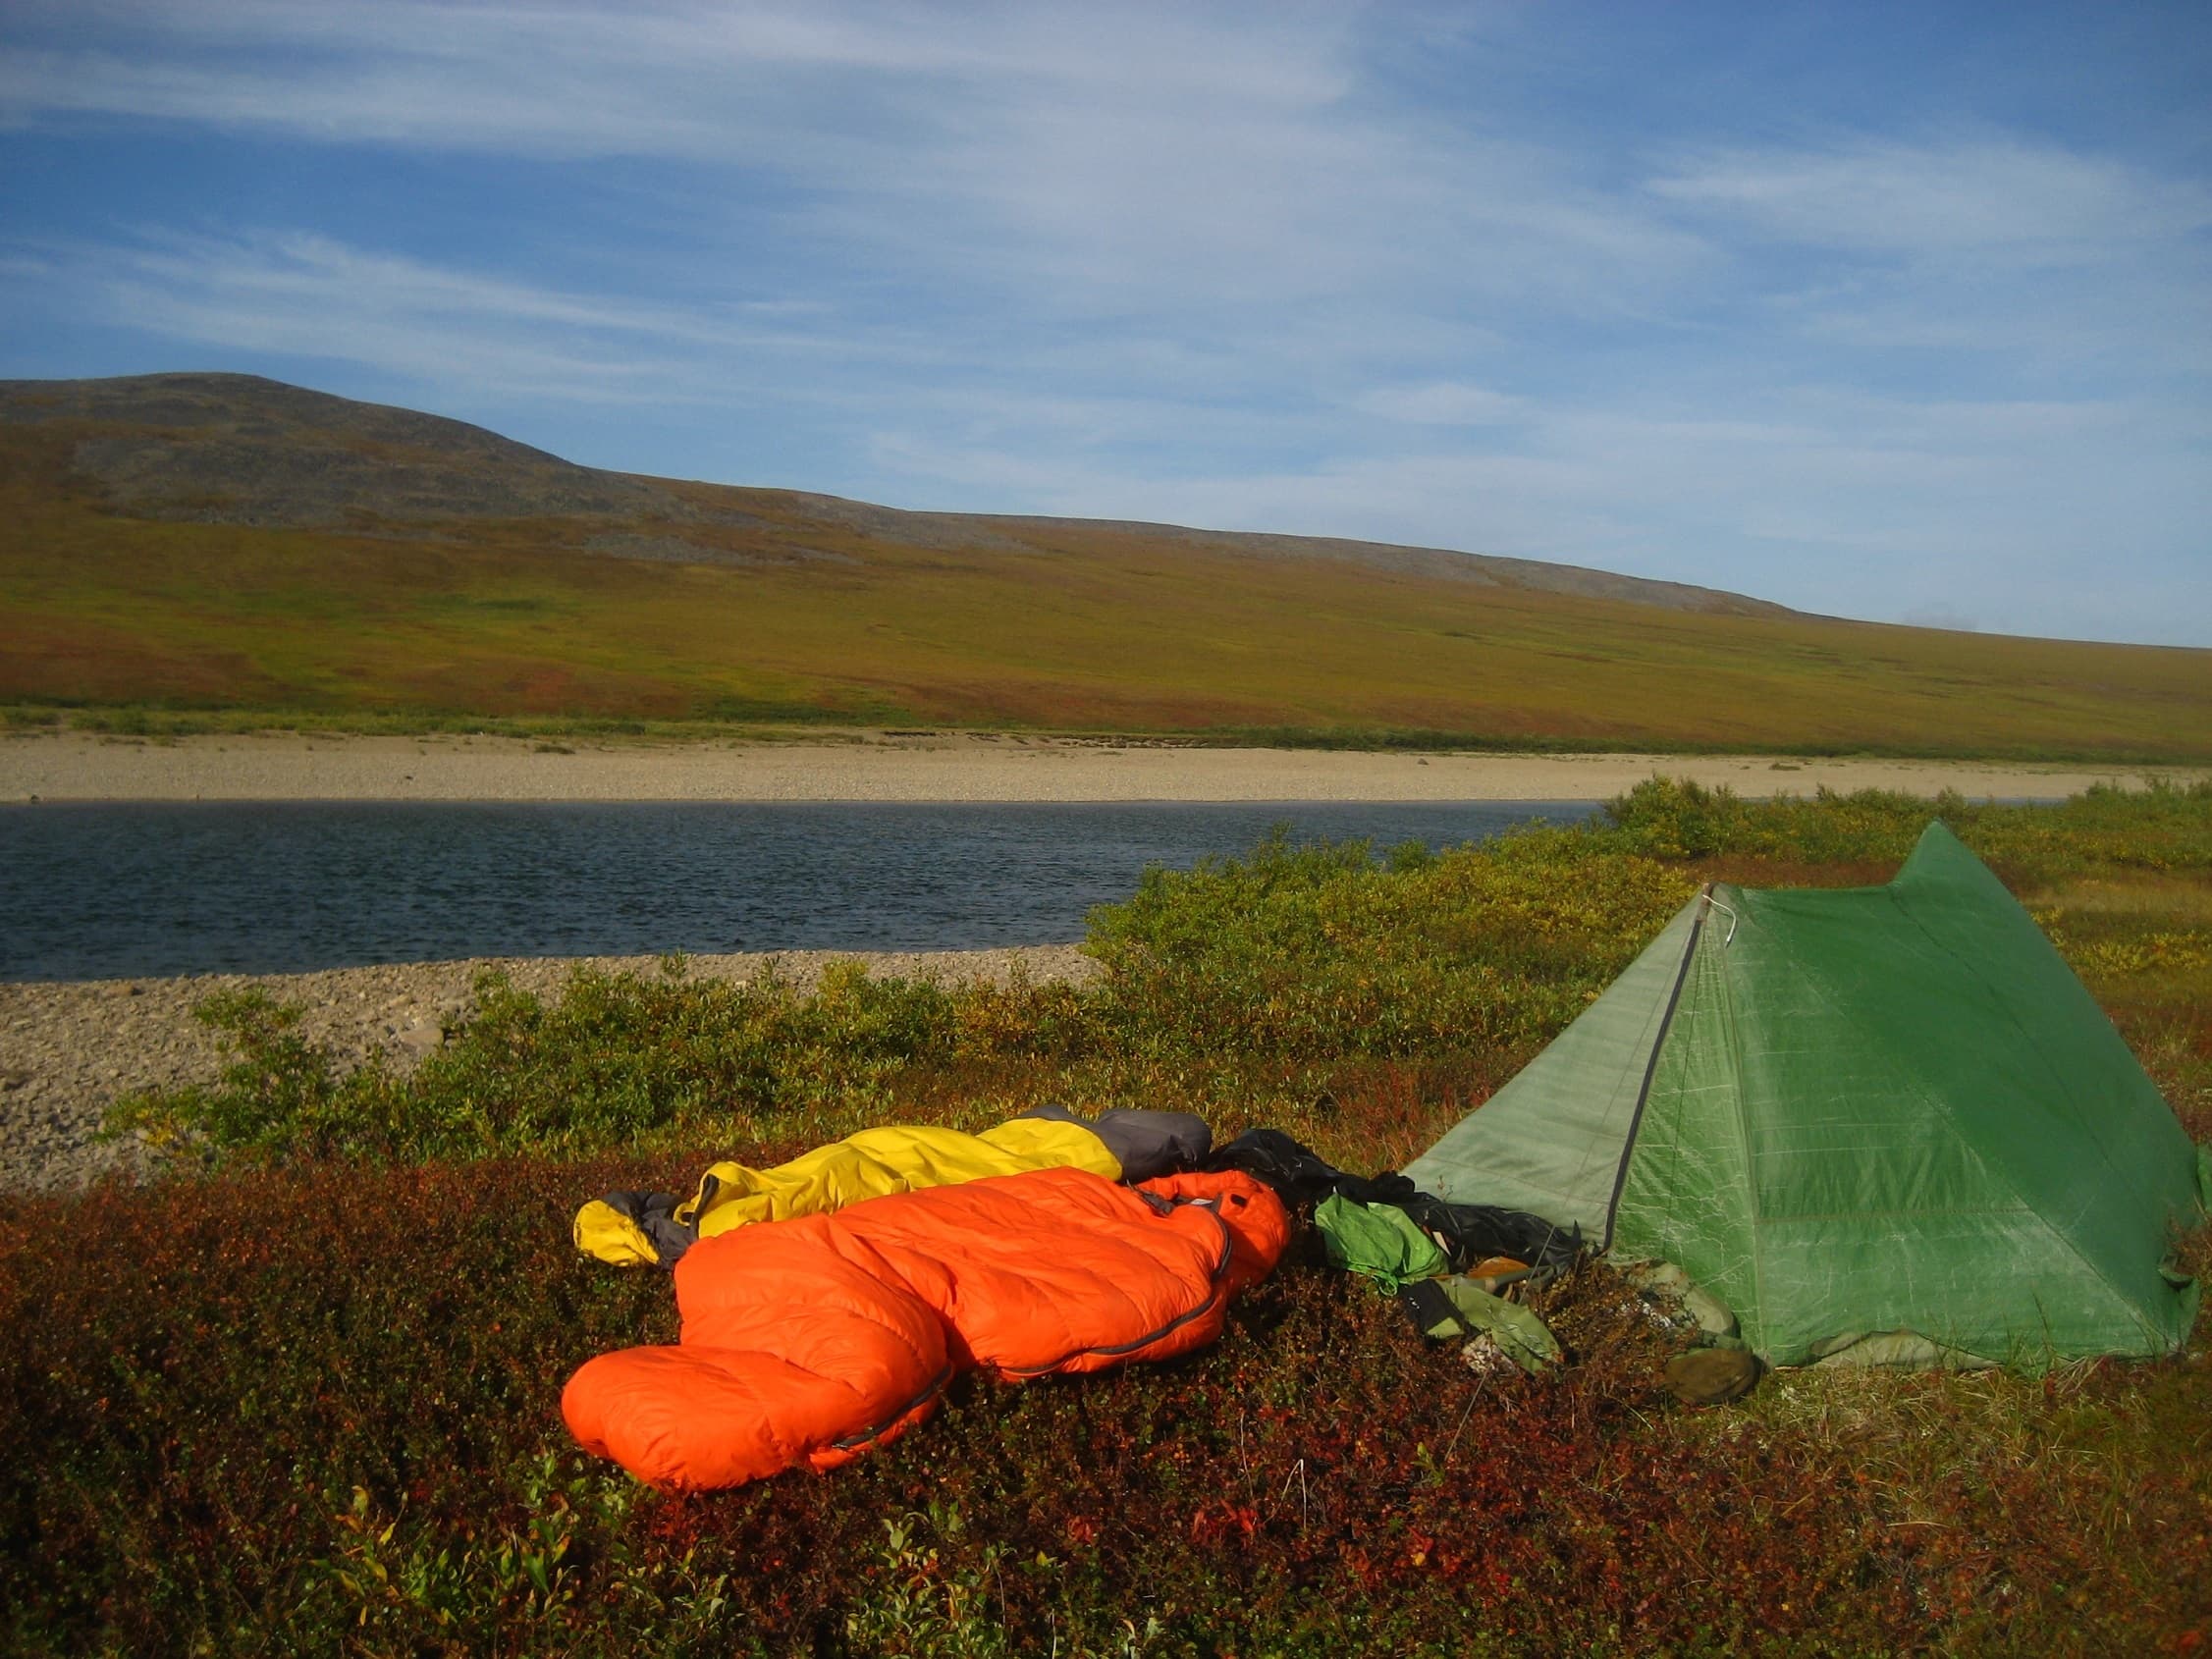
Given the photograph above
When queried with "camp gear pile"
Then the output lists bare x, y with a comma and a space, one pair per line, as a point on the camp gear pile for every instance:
1459, 1309
827, 1303
814, 1339
1385, 1226
1880, 1124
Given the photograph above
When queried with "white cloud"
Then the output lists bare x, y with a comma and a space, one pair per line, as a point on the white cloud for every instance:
1442, 403
2020, 199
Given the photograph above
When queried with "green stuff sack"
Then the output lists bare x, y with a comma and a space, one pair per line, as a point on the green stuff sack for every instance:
1377, 1240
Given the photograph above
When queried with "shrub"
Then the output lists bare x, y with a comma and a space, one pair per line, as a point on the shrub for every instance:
1311, 953
2160, 827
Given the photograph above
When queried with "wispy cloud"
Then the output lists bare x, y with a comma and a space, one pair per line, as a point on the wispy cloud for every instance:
309, 295
1994, 196
1105, 155
1441, 402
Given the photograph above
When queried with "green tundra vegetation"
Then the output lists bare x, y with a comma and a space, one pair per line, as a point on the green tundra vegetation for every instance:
302, 1394
704, 606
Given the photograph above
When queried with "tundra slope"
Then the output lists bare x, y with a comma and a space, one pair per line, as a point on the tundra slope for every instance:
231, 448
213, 542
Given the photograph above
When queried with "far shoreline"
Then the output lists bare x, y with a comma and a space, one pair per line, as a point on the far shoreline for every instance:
940, 768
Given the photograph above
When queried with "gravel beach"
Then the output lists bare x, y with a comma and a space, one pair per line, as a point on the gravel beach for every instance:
68, 1049
948, 766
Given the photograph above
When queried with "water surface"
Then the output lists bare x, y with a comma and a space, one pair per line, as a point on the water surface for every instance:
114, 890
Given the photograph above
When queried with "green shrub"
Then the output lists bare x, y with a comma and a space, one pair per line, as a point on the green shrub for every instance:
1306, 954
615, 1059
2160, 827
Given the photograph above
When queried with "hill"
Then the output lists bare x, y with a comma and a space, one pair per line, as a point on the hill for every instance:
220, 541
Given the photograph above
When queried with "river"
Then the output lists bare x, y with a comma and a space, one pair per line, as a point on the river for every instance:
141, 889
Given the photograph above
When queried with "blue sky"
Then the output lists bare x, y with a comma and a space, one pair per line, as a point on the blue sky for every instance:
1894, 312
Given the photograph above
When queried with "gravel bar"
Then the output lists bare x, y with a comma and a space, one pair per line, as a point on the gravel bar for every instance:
70, 1049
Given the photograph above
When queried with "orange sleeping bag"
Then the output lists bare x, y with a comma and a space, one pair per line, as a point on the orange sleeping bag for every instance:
812, 1340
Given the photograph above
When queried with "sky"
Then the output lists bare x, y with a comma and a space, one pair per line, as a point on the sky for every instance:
1901, 312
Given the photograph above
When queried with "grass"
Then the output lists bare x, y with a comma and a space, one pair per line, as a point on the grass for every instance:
305, 1399
156, 721
731, 725
1123, 630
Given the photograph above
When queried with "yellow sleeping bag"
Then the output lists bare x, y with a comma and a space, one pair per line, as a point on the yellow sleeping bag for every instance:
629, 1230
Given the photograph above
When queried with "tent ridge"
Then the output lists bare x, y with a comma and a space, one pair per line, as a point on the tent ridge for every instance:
1652, 1065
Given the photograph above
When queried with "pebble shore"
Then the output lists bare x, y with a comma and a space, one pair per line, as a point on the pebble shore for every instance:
69, 1050
73, 765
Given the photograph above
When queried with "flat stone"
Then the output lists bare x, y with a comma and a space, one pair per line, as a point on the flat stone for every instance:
1712, 1376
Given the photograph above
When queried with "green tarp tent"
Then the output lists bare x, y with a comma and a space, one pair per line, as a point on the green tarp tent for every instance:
1882, 1124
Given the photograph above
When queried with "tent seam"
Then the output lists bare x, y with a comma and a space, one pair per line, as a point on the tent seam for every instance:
1755, 1240
1651, 1071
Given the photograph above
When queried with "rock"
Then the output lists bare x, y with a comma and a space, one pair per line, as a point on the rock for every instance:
1712, 1315
1485, 1359
1712, 1376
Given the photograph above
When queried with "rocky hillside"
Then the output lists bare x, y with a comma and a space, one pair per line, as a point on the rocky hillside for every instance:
229, 448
